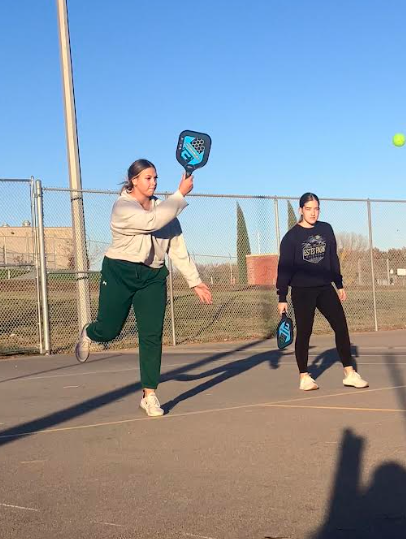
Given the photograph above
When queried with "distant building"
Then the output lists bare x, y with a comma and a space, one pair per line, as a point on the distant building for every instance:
262, 269
17, 246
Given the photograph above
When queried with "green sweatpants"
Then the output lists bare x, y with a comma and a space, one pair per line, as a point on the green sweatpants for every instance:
123, 284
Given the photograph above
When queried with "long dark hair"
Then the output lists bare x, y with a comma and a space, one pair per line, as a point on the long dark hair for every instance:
134, 170
307, 197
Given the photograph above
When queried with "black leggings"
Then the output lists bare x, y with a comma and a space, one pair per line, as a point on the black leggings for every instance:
325, 299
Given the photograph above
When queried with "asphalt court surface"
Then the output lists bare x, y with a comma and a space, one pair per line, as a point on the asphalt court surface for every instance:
240, 454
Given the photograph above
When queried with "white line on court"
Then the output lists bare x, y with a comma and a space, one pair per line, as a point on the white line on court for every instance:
30, 378
33, 461
199, 536
211, 410
197, 351
110, 524
19, 507
78, 373
347, 408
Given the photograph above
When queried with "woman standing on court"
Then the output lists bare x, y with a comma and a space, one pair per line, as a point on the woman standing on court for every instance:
144, 229
309, 264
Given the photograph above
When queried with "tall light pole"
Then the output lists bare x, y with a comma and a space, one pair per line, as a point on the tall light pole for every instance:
75, 181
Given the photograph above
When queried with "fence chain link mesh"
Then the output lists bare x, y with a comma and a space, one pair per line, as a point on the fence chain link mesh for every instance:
389, 256
234, 241
19, 284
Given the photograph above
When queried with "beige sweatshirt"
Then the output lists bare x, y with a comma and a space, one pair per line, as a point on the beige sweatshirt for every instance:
146, 236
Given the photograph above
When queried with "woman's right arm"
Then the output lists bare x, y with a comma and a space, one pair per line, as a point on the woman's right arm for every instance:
130, 219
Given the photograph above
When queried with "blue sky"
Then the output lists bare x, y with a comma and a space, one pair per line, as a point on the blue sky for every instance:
297, 94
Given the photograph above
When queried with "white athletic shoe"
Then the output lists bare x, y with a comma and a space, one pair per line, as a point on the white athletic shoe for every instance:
151, 405
307, 383
82, 348
354, 380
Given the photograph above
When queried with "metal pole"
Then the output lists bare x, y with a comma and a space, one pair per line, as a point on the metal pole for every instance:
54, 254
371, 252
277, 231
35, 260
42, 262
387, 272
259, 242
359, 272
27, 249
231, 270
78, 222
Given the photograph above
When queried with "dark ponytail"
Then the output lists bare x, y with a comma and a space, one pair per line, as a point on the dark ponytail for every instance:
134, 170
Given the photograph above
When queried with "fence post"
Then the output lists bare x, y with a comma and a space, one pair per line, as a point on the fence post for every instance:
359, 272
42, 263
35, 261
387, 272
371, 252
5, 250
277, 231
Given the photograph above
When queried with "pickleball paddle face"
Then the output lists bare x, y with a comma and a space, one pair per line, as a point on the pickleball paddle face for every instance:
193, 150
284, 332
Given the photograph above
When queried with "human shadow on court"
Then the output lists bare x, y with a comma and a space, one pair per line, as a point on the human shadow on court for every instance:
59, 417
327, 359
220, 374
377, 511
398, 381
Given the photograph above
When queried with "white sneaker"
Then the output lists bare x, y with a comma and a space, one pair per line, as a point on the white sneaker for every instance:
151, 405
82, 348
307, 383
354, 380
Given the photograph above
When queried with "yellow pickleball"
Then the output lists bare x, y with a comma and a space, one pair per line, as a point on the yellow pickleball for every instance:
399, 139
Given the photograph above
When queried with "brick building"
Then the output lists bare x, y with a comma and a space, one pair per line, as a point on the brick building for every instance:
17, 246
262, 269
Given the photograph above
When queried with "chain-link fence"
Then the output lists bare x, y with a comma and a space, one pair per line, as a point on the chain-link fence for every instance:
234, 240
20, 313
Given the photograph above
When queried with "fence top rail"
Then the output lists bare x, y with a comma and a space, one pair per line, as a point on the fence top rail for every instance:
96, 191
24, 265
16, 180
217, 195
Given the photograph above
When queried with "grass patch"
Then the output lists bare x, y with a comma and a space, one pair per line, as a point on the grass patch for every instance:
237, 314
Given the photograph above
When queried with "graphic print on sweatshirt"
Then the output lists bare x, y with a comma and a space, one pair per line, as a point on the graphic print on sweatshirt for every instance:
314, 249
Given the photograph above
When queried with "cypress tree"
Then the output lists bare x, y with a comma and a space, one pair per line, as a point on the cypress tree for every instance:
292, 219
243, 246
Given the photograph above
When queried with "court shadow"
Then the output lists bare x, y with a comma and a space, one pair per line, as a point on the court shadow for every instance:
327, 359
276, 356
59, 417
221, 374
398, 381
377, 511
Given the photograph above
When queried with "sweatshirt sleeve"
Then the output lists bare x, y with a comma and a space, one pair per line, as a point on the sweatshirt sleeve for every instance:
130, 218
335, 263
179, 255
285, 268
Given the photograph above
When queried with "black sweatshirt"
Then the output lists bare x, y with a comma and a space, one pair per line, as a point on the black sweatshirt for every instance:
308, 257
